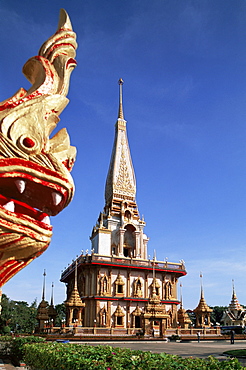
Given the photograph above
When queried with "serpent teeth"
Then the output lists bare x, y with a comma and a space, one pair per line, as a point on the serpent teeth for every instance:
46, 220
21, 185
10, 206
57, 198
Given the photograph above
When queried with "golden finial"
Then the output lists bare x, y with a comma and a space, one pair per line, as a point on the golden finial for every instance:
43, 295
120, 115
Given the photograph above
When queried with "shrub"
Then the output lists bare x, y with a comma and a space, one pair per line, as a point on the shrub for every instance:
57, 356
174, 337
17, 346
13, 347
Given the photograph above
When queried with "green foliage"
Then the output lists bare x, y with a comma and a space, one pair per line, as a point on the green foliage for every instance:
6, 330
236, 353
217, 314
192, 316
5, 338
61, 314
18, 316
16, 345
174, 337
57, 356
13, 347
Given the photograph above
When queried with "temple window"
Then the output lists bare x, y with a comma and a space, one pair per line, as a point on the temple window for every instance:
103, 317
119, 285
129, 240
136, 314
75, 315
104, 284
137, 288
168, 290
119, 314
120, 289
127, 215
126, 252
137, 322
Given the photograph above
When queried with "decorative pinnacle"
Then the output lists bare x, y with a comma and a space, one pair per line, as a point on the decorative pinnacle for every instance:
43, 296
120, 115
202, 296
181, 298
75, 275
52, 295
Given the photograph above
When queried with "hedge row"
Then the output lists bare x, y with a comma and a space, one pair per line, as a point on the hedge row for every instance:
13, 347
58, 356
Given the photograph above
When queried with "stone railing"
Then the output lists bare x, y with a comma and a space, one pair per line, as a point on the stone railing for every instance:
88, 258
121, 332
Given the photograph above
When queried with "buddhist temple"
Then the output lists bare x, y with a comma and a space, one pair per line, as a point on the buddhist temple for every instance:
234, 315
117, 286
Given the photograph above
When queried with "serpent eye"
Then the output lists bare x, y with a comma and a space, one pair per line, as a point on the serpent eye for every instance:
28, 144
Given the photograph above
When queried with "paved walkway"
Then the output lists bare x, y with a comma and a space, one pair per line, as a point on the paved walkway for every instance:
190, 349
4, 365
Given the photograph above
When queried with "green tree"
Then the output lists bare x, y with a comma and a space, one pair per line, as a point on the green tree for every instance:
192, 316
217, 314
61, 314
18, 316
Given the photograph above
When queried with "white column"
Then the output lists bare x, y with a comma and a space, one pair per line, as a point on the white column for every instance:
122, 233
137, 244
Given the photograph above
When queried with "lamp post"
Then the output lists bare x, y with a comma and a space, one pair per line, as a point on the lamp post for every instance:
94, 331
128, 330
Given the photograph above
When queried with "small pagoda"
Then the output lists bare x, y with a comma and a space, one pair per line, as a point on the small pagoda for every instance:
46, 314
202, 312
74, 305
184, 320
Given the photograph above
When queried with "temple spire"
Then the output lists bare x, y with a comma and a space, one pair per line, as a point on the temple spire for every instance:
52, 295
202, 294
120, 114
181, 297
43, 295
121, 183
234, 305
75, 275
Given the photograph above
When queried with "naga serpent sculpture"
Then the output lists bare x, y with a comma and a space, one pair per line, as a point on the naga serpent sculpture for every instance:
35, 180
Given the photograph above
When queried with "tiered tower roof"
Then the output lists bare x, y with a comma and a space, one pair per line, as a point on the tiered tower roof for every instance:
121, 182
74, 300
234, 305
202, 305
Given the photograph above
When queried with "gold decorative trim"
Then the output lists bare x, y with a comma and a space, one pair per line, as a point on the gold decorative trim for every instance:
123, 183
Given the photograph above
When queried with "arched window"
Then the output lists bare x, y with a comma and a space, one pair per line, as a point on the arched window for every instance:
137, 287
129, 241
119, 315
104, 285
168, 290
119, 285
103, 317
75, 315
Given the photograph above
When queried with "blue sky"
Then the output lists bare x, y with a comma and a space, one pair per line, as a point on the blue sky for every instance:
184, 97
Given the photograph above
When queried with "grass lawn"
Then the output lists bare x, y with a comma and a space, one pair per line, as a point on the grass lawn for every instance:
236, 353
